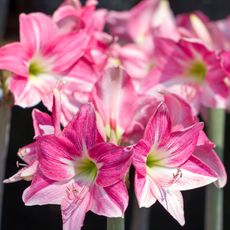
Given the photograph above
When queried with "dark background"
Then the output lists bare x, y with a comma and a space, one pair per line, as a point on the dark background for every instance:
15, 214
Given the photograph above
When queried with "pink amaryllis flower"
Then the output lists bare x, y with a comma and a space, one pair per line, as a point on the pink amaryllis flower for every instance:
40, 59
190, 70
81, 172
71, 16
140, 23
115, 101
165, 164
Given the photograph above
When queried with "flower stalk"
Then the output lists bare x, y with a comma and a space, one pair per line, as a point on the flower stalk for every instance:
214, 196
5, 115
140, 217
115, 224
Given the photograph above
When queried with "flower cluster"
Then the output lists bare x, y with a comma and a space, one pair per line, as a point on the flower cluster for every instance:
128, 97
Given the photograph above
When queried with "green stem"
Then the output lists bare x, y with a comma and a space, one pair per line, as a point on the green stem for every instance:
140, 217
115, 224
4, 137
214, 196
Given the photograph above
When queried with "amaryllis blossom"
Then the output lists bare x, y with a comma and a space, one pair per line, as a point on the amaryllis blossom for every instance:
165, 164
140, 23
181, 117
41, 58
190, 70
121, 24
72, 17
43, 125
115, 101
78, 170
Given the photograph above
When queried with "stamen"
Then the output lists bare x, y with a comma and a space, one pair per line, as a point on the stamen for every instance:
20, 164
177, 175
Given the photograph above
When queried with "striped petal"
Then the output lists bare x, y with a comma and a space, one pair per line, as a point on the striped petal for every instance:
115, 99
74, 207
208, 156
44, 191
37, 32
181, 145
193, 174
12, 58
113, 159
159, 126
56, 157
82, 130
110, 201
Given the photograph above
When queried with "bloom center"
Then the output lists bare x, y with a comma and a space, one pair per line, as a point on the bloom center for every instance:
151, 160
86, 168
35, 69
38, 65
197, 71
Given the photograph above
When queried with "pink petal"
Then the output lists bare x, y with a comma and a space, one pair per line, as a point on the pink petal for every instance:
159, 126
208, 156
115, 99
110, 201
117, 22
193, 174
44, 191
181, 145
69, 48
134, 60
141, 18
28, 153
29, 172
85, 73
56, 157
225, 63
12, 58
144, 190
82, 130
76, 88
25, 173
172, 201
74, 207
113, 162
140, 152
56, 112
213, 95
146, 106
180, 111
191, 92
16, 177
42, 123
37, 32
65, 17
25, 95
